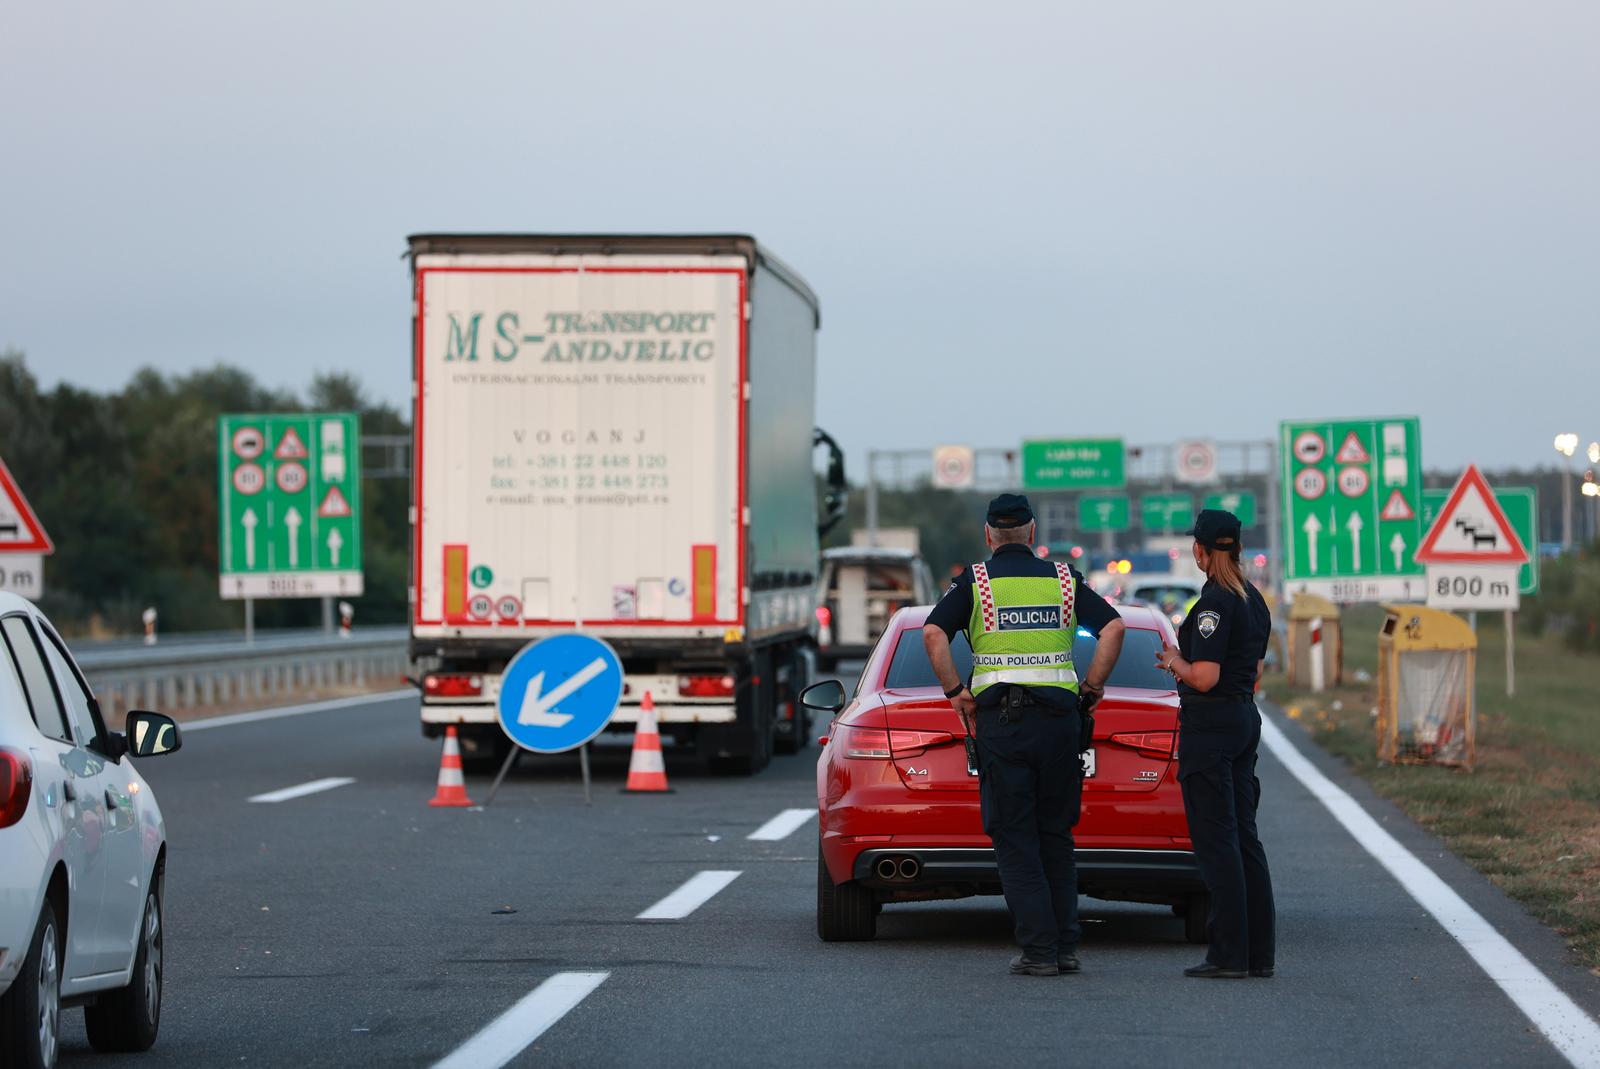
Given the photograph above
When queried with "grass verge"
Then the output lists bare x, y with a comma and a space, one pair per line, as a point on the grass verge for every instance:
1528, 816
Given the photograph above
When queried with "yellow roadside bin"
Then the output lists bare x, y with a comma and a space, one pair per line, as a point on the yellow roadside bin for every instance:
1316, 643
1427, 661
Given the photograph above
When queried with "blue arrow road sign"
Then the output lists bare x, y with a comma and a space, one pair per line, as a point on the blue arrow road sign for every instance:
559, 692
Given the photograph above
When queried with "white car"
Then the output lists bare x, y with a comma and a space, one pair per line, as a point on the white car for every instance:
84, 850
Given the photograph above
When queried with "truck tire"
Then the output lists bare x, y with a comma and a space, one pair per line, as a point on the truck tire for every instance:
128, 1018
30, 1010
1195, 914
846, 912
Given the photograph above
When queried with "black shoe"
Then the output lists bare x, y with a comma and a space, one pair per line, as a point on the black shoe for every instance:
1264, 972
1068, 963
1021, 966
1207, 971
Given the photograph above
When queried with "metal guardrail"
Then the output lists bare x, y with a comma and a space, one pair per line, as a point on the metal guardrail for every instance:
216, 673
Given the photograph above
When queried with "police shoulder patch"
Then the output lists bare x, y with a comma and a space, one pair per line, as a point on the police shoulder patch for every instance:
1207, 623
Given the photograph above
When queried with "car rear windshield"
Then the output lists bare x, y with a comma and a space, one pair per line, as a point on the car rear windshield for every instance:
1136, 666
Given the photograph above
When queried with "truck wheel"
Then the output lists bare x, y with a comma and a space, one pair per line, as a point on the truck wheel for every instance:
1198, 908
128, 1018
30, 1010
846, 912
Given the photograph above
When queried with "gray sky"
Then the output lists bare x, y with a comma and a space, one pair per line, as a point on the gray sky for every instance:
1203, 217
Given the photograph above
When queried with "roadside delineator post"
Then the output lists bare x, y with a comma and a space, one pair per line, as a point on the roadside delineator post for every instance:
452, 788
647, 771
1318, 668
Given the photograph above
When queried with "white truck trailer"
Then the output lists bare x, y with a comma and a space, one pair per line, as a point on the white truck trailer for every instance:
614, 434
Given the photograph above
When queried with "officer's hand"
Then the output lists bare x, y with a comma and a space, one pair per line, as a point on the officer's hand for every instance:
967, 708
1089, 695
1165, 658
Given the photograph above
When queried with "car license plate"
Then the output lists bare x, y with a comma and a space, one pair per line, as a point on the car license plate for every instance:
1088, 764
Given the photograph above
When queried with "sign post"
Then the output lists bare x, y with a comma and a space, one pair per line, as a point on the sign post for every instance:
289, 506
1352, 497
23, 542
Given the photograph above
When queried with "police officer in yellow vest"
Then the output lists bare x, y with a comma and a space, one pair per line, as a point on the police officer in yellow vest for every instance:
1024, 704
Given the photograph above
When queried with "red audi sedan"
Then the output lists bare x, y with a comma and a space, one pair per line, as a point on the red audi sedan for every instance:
899, 803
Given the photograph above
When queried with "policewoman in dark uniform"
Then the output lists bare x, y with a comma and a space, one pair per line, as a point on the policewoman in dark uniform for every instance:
1220, 649
1024, 703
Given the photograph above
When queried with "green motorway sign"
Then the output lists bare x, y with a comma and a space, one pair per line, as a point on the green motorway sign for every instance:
1104, 512
1521, 506
1352, 508
289, 505
1166, 512
1241, 503
1073, 464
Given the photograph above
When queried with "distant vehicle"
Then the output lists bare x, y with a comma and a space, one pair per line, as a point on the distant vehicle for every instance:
899, 803
1171, 594
614, 434
84, 850
862, 587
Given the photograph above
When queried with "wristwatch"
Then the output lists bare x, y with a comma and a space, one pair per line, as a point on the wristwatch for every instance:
952, 693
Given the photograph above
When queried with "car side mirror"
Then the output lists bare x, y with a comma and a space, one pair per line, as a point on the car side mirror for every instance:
826, 697
151, 734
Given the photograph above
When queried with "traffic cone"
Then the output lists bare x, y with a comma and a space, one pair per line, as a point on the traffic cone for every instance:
647, 772
452, 789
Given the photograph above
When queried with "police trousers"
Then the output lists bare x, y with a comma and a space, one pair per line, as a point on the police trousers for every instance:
1030, 783
1217, 743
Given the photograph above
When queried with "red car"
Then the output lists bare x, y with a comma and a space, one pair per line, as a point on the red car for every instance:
899, 804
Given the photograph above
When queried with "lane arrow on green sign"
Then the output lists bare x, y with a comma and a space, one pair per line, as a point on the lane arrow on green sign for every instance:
1241, 503
1104, 512
1166, 512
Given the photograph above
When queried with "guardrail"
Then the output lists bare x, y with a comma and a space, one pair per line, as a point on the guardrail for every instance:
219, 673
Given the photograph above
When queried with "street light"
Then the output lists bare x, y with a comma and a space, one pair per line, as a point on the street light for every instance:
1594, 452
1566, 445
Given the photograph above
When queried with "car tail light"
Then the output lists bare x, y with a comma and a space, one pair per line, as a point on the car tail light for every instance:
452, 685
705, 686
911, 743
16, 785
1150, 743
875, 744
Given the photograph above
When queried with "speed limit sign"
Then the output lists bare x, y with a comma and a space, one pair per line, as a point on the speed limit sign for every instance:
954, 467
1195, 462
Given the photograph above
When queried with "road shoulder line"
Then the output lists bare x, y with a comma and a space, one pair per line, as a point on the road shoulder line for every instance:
1557, 1017
229, 720
300, 790
510, 1033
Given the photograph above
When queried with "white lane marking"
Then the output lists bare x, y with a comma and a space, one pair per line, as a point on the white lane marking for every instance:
511, 1032
292, 710
300, 790
783, 825
1563, 1022
690, 897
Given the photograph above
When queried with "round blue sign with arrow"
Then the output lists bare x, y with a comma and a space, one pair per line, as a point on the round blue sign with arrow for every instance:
559, 692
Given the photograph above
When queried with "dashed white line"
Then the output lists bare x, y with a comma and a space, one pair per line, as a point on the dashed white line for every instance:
700, 889
783, 825
1563, 1022
511, 1032
300, 790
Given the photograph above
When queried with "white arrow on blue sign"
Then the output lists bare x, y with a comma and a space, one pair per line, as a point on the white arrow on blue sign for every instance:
559, 692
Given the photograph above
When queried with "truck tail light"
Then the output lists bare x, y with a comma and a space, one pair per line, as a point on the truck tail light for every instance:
705, 686
16, 785
1162, 744
452, 685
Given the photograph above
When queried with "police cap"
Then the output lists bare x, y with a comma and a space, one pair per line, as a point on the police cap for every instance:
1216, 529
1010, 510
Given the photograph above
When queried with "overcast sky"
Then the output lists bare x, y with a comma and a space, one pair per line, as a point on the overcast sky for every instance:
1194, 219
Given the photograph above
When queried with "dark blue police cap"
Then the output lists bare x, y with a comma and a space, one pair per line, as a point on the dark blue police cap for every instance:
1216, 529
1010, 510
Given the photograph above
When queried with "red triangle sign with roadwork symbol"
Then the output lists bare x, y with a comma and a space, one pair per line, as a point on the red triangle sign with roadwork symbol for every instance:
334, 504
1353, 452
290, 447
1471, 528
1397, 508
20, 529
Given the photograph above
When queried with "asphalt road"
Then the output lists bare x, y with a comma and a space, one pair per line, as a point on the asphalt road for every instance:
356, 925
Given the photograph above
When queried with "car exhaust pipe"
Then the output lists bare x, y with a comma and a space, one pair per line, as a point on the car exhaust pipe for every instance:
887, 869
909, 867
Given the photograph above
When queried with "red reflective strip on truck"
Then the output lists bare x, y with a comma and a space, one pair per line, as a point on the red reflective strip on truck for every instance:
705, 582
455, 581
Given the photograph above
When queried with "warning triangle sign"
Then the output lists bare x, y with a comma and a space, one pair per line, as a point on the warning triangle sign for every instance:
1397, 508
20, 529
1352, 451
1472, 528
290, 447
334, 504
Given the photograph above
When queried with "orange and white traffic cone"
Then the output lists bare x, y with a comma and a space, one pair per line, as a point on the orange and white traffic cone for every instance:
452, 789
647, 772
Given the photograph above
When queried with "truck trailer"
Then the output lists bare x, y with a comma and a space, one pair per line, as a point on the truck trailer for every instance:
614, 435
